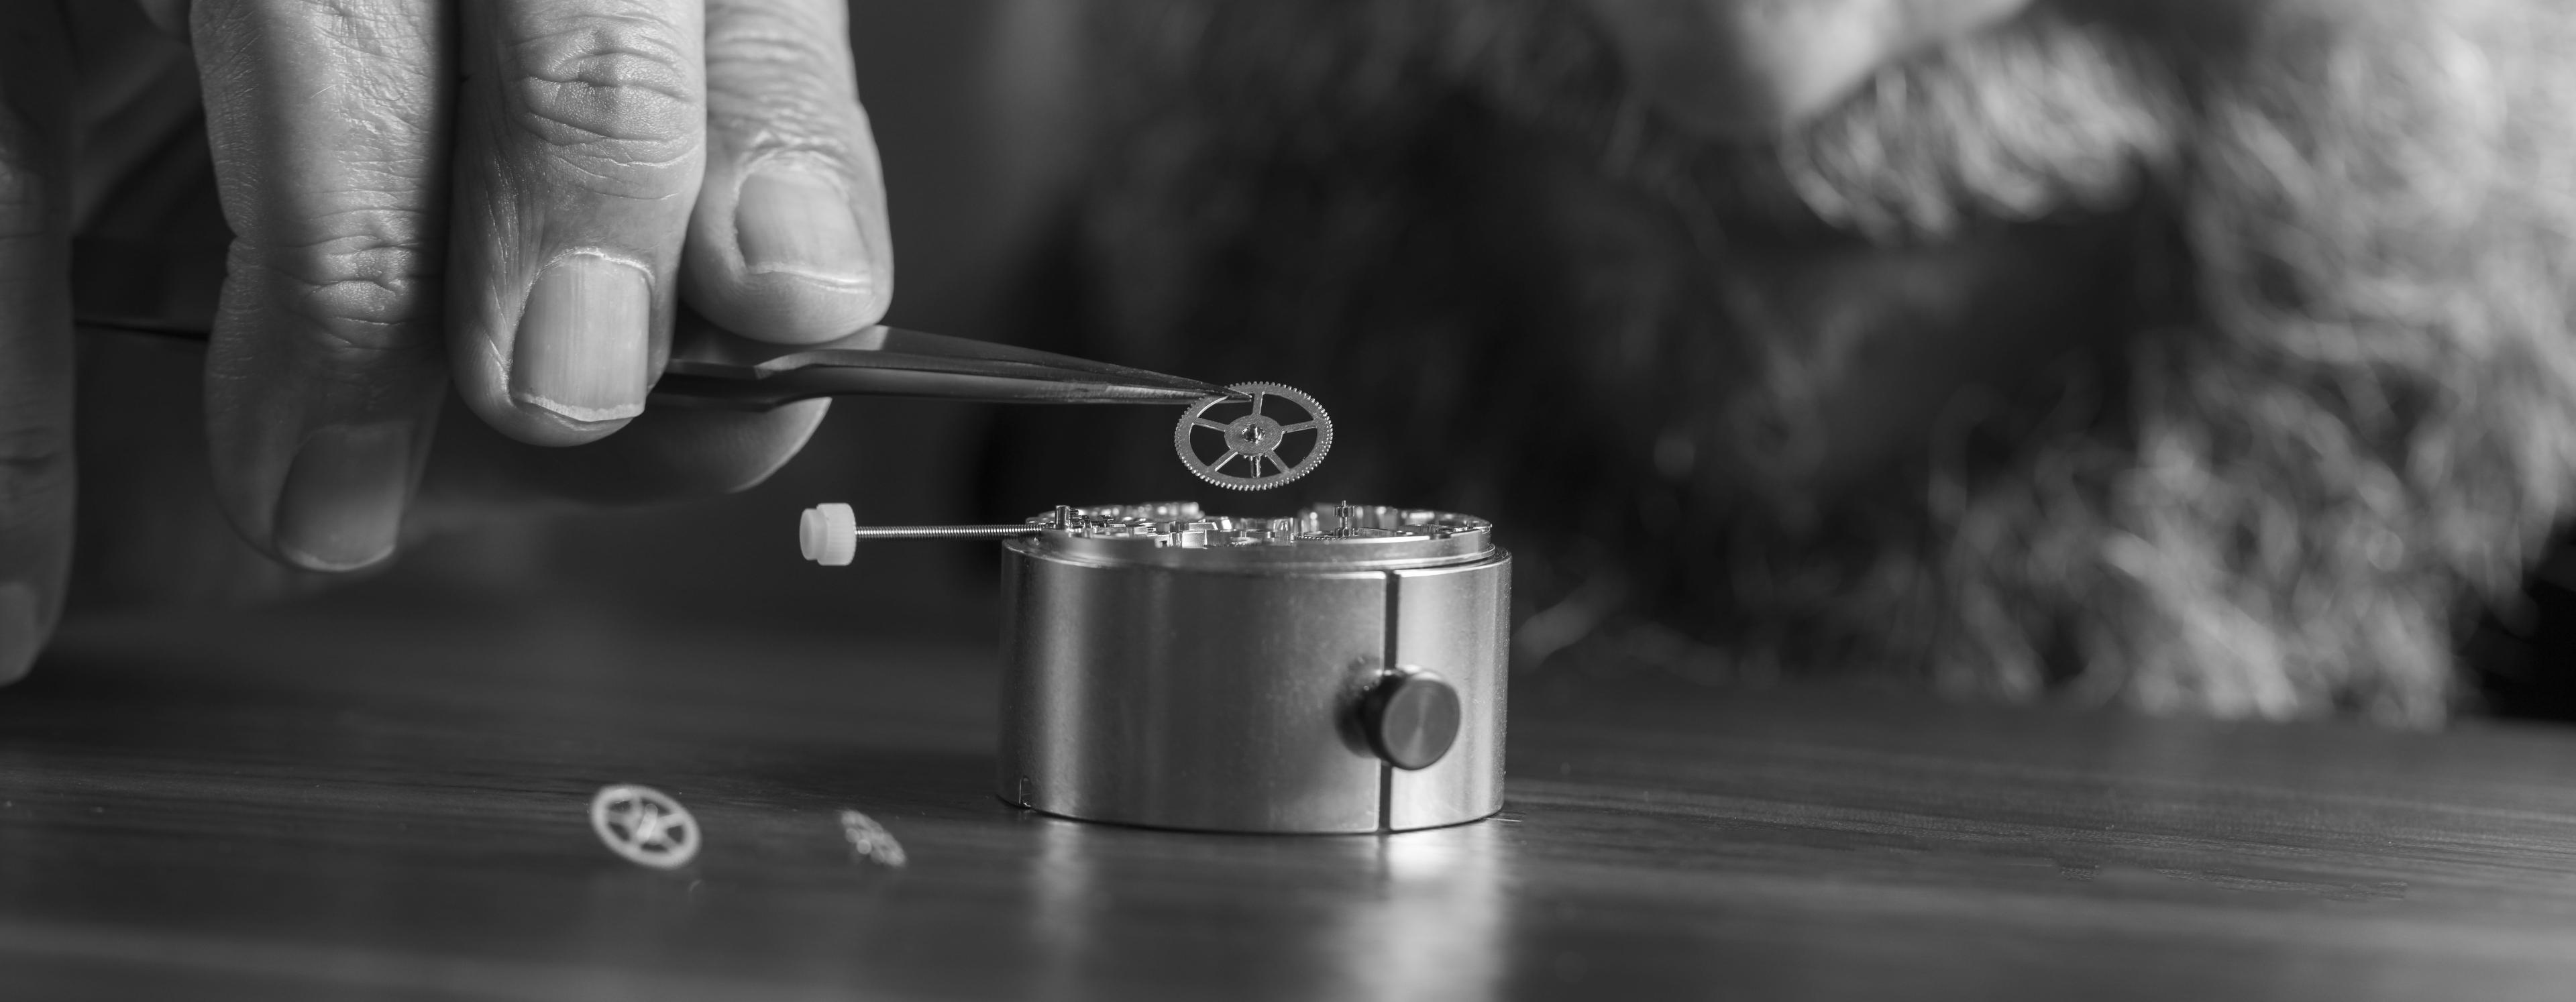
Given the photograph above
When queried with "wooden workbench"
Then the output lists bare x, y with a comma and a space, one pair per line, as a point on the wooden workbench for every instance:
316, 804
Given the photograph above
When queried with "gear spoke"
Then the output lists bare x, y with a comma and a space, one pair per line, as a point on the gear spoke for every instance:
1254, 437
644, 825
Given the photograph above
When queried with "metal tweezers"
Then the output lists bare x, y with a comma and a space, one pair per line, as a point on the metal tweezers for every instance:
132, 286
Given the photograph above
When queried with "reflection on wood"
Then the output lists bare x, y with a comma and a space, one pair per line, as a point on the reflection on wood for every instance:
306, 807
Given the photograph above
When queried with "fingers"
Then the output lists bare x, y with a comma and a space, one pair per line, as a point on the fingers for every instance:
581, 137
667, 454
789, 241
326, 368
35, 331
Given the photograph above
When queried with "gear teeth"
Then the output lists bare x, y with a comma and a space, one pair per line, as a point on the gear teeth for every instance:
1182, 438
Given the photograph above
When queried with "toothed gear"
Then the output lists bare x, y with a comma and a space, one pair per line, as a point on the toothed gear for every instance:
1254, 436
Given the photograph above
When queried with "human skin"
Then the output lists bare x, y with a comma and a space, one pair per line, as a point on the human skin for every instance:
502, 200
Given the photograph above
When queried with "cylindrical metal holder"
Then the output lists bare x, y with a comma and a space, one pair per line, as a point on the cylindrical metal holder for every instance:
1342, 671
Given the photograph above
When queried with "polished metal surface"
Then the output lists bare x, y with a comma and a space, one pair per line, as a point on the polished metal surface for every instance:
1411, 717
1254, 436
1164, 667
943, 531
713, 367
1323, 537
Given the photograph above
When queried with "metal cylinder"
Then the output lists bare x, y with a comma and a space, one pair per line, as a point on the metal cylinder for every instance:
1342, 671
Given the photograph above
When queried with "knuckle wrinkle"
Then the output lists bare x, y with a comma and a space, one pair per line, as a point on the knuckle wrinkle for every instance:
621, 91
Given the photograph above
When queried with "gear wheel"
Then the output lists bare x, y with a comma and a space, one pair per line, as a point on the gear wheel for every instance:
1254, 437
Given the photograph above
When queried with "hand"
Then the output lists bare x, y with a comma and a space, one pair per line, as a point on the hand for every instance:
514, 192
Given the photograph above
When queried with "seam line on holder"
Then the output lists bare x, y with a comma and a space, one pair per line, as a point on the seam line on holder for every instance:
1385, 769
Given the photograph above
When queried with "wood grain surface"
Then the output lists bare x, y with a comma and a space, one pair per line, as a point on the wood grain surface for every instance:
317, 804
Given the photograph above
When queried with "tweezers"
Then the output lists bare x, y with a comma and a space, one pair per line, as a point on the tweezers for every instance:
125, 285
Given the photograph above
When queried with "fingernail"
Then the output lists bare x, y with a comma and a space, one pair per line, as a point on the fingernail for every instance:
584, 340
794, 223
22, 629
343, 503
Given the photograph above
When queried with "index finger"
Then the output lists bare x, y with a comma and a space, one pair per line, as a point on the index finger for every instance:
329, 124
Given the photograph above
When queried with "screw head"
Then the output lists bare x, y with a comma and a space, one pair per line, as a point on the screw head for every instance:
1411, 718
